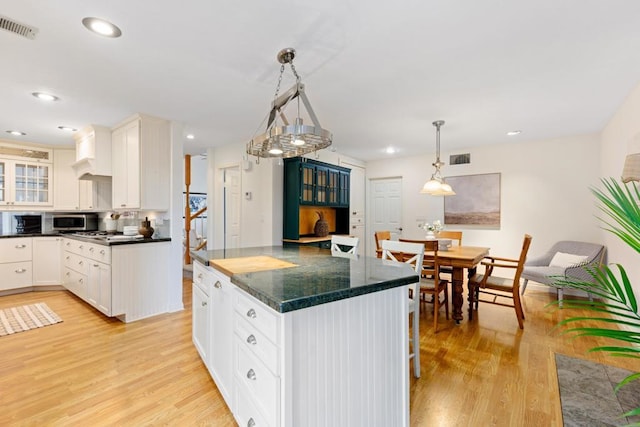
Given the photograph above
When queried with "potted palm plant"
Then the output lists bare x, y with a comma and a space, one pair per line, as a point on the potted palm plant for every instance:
615, 295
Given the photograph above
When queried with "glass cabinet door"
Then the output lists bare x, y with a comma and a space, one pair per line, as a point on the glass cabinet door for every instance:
307, 183
3, 181
322, 179
31, 183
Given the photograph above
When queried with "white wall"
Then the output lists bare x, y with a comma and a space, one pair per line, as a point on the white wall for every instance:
261, 216
544, 192
616, 137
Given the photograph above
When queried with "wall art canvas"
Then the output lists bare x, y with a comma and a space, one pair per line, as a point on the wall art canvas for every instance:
197, 201
477, 200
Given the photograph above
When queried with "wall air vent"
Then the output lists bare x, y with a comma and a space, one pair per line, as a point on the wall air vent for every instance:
460, 159
18, 28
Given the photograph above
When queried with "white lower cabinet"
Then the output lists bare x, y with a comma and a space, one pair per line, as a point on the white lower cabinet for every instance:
201, 312
99, 286
87, 273
212, 325
239, 346
47, 261
16, 254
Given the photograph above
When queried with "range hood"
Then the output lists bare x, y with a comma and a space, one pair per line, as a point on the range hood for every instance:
93, 153
90, 169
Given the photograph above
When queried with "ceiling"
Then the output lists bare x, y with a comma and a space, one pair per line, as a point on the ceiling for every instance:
377, 73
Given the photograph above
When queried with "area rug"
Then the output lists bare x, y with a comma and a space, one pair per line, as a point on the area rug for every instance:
23, 318
587, 393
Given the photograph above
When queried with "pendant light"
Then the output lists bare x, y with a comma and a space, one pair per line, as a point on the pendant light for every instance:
283, 139
436, 186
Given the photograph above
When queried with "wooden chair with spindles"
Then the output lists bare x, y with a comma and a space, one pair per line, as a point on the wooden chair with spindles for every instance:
498, 288
454, 236
380, 236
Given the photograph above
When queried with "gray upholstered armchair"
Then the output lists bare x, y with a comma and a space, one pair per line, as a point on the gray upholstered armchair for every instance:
568, 259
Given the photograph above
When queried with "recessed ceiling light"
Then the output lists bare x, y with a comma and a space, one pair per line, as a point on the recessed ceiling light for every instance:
390, 150
101, 27
190, 136
67, 128
514, 132
45, 96
16, 132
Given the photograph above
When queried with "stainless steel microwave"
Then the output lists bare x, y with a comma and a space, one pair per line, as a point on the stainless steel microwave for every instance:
75, 222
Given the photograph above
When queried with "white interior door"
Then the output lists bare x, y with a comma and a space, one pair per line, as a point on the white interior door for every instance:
232, 207
386, 207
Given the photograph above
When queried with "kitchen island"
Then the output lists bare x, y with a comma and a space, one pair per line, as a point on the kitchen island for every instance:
293, 336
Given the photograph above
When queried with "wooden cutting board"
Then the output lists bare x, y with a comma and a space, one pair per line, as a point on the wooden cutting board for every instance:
251, 264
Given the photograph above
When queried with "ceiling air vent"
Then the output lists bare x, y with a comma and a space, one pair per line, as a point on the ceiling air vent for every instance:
460, 159
18, 28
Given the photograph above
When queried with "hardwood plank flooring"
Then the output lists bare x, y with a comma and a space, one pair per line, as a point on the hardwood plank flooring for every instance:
92, 370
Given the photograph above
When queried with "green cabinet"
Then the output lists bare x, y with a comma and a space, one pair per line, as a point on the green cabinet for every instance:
310, 183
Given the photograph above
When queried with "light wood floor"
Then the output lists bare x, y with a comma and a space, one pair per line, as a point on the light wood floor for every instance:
94, 371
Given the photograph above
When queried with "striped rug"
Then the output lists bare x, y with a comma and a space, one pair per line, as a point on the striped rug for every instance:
23, 318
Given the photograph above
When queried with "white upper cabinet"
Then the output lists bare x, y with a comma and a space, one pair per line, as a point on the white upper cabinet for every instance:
140, 164
93, 153
25, 176
70, 193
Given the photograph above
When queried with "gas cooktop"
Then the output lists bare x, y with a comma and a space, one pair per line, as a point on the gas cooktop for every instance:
103, 235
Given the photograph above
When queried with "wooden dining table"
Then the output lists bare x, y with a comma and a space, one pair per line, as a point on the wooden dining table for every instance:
459, 258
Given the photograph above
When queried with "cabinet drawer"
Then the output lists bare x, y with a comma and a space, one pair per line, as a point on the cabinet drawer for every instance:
99, 253
256, 342
247, 414
75, 282
76, 262
262, 385
15, 249
258, 315
200, 274
75, 246
15, 275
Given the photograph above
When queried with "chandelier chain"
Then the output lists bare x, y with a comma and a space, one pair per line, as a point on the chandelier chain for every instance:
279, 81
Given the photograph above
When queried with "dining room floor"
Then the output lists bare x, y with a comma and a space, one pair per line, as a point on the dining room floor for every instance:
92, 369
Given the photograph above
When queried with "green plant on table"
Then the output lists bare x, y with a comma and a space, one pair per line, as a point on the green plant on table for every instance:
612, 287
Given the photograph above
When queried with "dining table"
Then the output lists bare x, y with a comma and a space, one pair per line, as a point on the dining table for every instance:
459, 258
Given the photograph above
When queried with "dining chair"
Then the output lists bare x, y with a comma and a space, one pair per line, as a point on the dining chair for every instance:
499, 287
344, 246
430, 281
380, 236
412, 254
454, 236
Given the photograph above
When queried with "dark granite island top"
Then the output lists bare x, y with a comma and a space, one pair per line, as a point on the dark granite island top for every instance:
317, 278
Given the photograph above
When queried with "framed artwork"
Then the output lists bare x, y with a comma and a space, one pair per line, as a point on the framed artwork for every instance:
477, 200
197, 201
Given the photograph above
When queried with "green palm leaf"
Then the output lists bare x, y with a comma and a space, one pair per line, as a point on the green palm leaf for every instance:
621, 208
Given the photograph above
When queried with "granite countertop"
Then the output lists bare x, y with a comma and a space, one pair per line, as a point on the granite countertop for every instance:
89, 239
317, 278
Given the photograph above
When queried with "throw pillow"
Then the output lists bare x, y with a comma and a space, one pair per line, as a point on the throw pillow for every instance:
561, 259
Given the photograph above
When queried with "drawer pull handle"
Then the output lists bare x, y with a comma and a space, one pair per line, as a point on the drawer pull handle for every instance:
80, 262
252, 340
251, 374
251, 423
21, 246
81, 280
217, 285
21, 270
96, 265
251, 313
81, 247
68, 257
204, 303
200, 276
102, 252
91, 249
